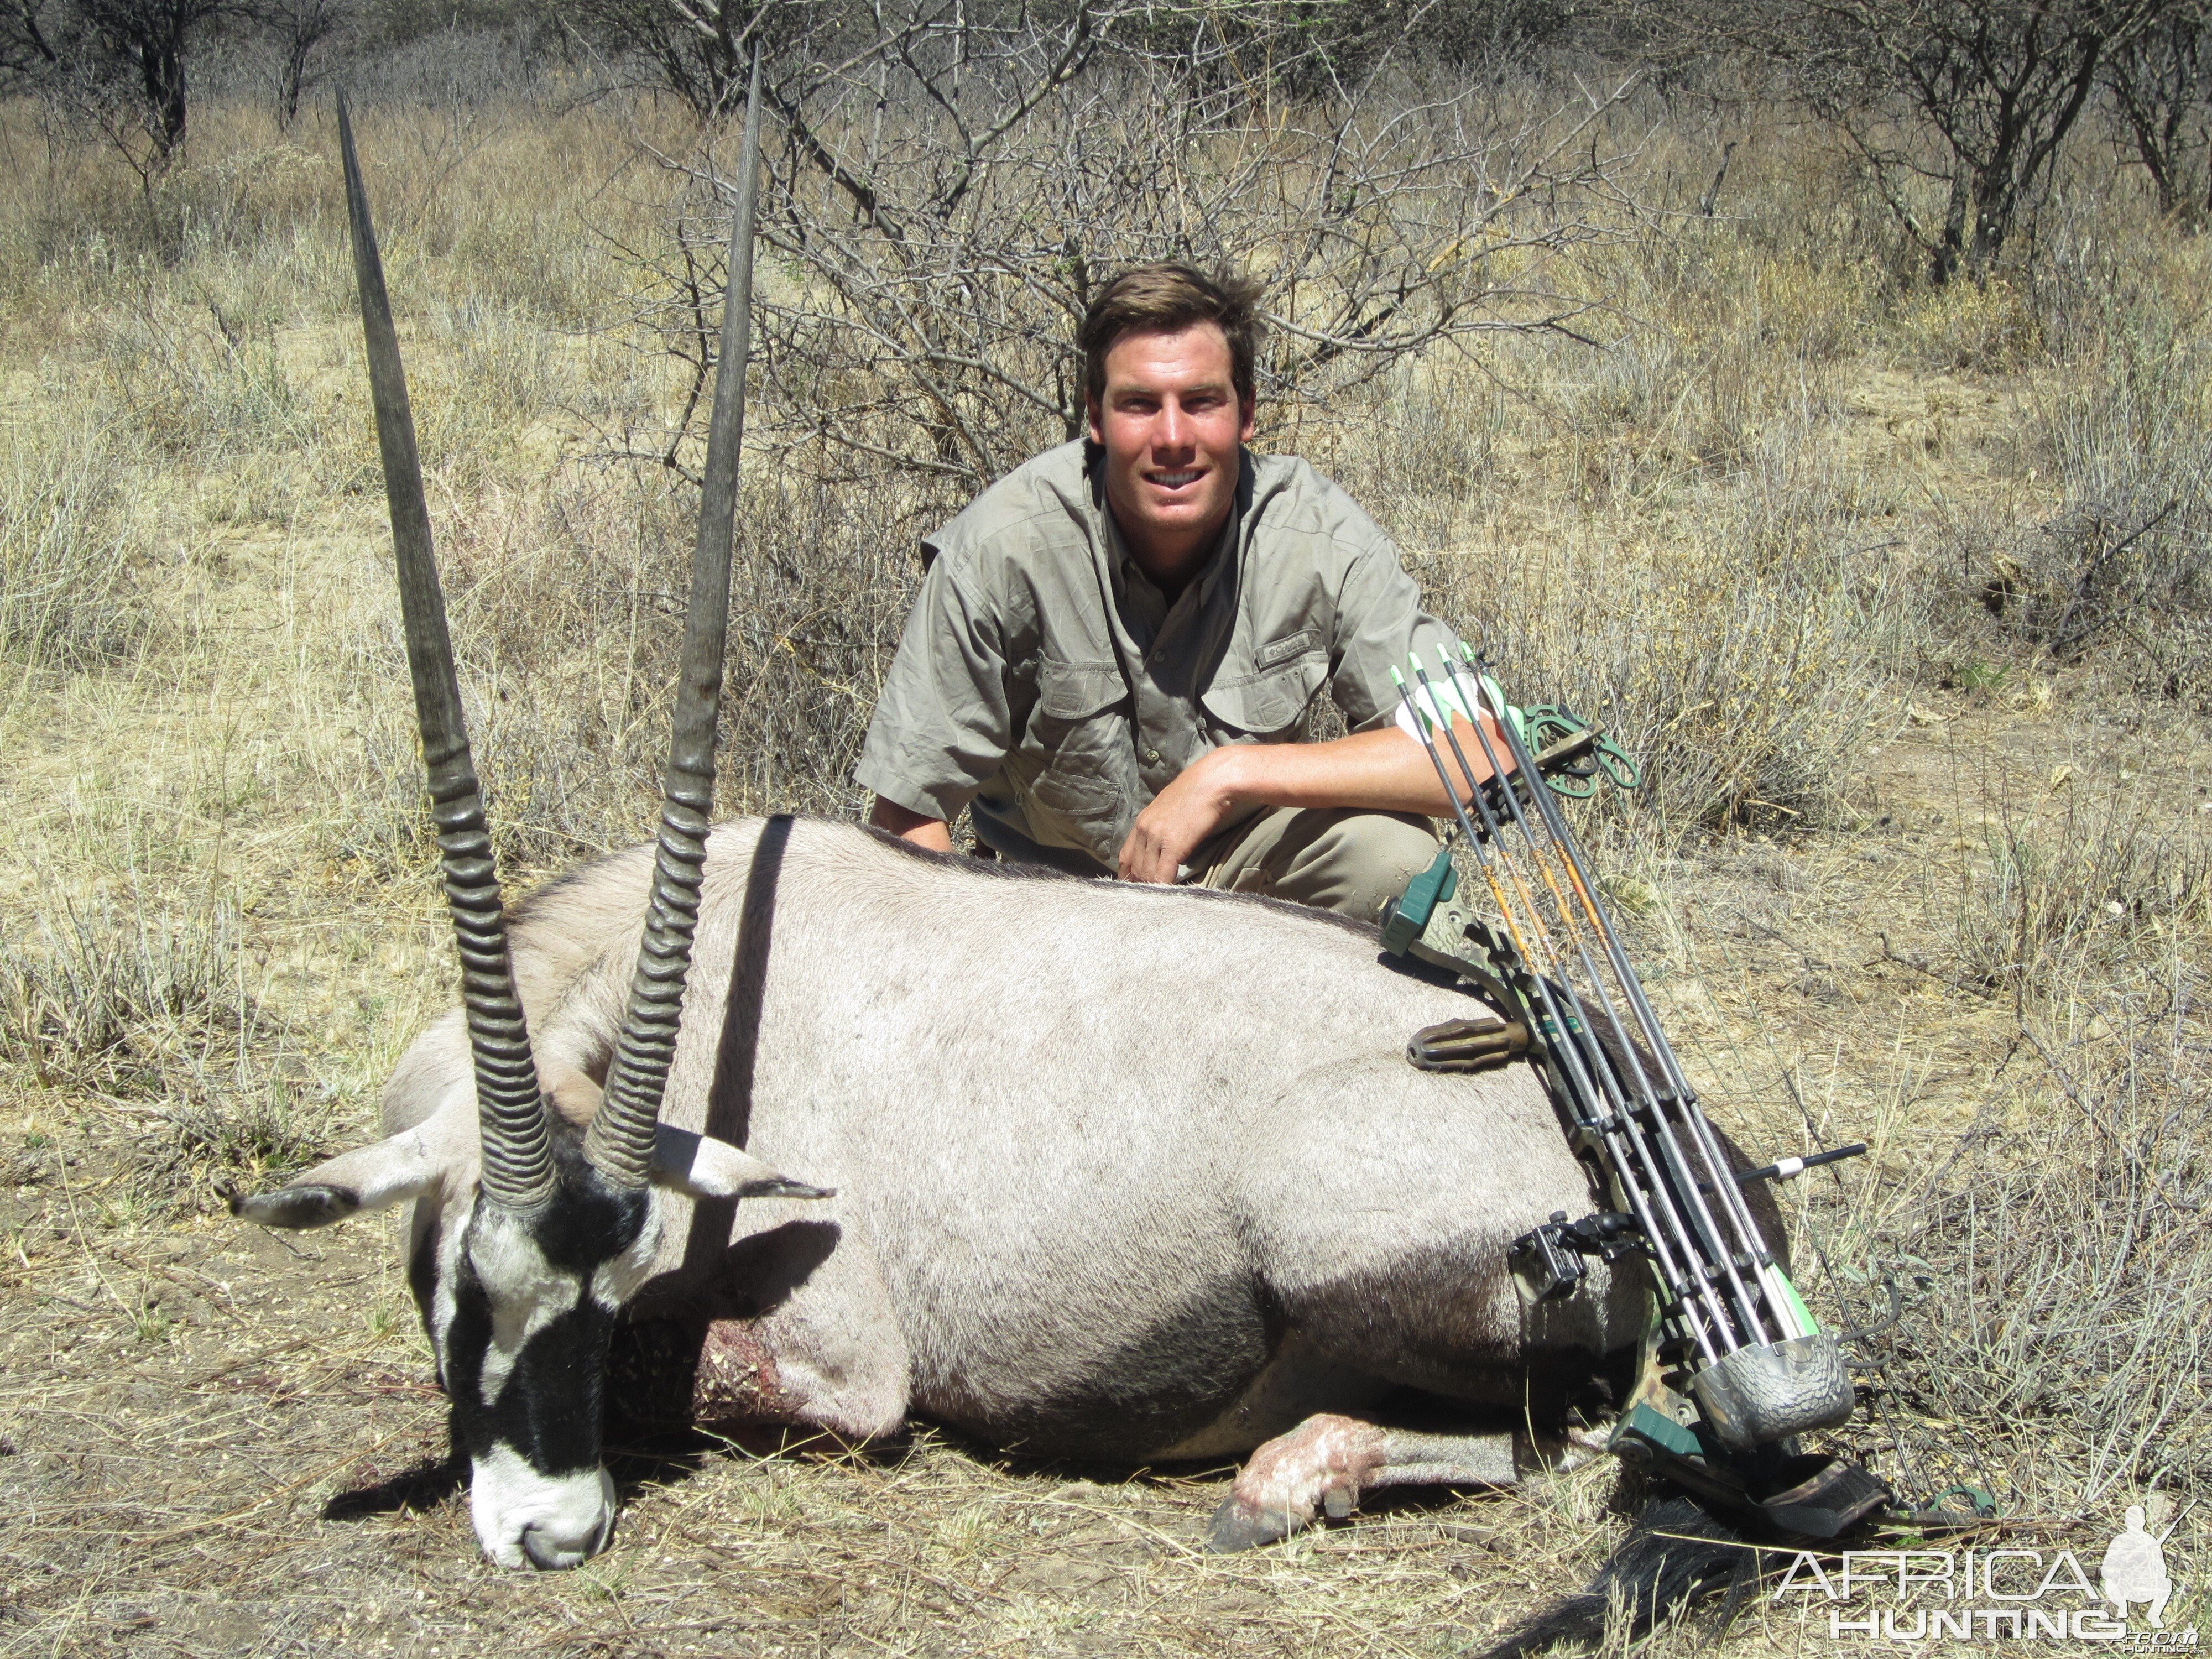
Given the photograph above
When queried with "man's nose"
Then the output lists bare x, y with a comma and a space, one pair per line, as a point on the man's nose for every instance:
1172, 429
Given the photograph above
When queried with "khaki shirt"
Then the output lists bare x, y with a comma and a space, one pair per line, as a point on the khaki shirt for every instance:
1044, 681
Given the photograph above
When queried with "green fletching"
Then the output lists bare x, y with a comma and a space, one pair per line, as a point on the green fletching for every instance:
1492, 693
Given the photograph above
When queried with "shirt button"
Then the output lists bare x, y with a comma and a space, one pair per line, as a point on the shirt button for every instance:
1153, 755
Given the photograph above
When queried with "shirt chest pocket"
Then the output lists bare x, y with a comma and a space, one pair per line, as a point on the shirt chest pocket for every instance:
1271, 701
1078, 744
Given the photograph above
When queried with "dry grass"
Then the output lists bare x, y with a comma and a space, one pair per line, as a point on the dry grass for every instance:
2082, 890
115, 1002
2035, 1214
2065, 1252
1757, 530
68, 594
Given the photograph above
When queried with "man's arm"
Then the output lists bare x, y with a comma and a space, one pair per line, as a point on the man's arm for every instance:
1380, 771
923, 831
941, 724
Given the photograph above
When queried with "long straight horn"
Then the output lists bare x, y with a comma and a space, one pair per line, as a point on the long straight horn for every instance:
518, 1163
619, 1143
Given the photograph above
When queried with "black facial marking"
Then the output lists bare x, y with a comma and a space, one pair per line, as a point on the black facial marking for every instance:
548, 1408
422, 1282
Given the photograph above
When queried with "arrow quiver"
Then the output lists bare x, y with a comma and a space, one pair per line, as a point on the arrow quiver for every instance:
1736, 1367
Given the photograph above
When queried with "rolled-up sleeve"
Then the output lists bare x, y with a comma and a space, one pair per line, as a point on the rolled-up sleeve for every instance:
1379, 623
941, 725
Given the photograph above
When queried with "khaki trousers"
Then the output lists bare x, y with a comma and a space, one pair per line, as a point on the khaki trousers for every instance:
1338, 860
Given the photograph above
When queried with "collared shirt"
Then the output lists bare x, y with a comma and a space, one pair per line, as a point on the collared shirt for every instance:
1045, 681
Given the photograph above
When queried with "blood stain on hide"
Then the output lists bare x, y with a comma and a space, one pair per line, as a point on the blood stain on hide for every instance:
685, 1373
736, 1379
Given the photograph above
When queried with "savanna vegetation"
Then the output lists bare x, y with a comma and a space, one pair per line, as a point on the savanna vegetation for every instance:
1819, 395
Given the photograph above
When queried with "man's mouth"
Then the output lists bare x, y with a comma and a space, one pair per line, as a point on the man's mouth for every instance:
1173, 480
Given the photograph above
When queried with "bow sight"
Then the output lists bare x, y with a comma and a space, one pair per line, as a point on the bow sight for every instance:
1735, 1367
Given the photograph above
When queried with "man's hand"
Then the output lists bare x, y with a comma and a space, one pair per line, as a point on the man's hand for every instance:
1380, 771
1181, 816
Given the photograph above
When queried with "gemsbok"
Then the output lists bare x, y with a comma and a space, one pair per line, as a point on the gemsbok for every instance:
1125, 1173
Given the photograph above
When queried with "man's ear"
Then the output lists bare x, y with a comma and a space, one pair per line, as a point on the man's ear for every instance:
1248, 416
1094, 413
368, 1178
703, 1167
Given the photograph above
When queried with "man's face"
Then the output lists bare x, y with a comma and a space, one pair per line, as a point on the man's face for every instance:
1170, 423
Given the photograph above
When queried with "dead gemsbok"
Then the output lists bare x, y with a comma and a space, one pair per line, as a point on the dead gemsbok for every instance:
1122, 1173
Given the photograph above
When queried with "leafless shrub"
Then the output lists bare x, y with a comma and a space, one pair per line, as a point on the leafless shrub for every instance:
2161, 84
944, 200
115, 66
306, 35
1959, 109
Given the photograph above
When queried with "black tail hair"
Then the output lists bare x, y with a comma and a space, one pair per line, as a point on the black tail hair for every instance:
1674, 1554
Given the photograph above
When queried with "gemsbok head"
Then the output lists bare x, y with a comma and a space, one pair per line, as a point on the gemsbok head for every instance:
543, 1232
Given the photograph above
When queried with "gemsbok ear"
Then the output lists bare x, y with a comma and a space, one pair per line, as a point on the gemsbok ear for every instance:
703, 1167
370, 1178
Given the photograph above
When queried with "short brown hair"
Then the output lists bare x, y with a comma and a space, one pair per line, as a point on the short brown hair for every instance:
1166, 299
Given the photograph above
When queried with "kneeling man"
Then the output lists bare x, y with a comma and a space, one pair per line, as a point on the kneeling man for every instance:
1119, 646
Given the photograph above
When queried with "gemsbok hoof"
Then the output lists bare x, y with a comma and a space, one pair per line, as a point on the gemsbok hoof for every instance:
1236, 1528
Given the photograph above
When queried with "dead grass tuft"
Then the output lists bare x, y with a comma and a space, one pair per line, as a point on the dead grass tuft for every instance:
1732, 629
68, 595
204, 387
250, 1132
2080, 887
2050, 1264
1985, 327
111, 998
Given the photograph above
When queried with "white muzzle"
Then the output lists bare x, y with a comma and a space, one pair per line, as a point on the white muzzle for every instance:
526, 1519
